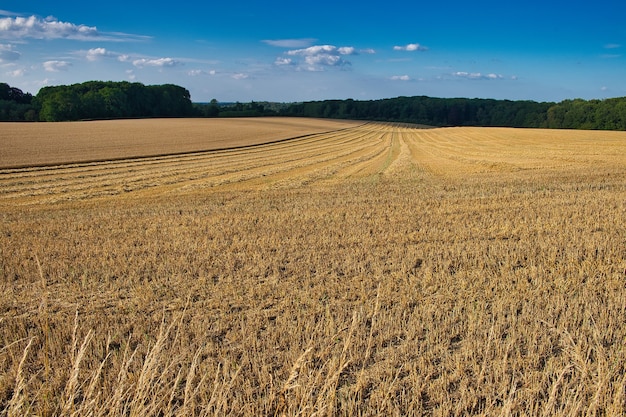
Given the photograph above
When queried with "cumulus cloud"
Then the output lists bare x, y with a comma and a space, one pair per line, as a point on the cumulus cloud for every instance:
56, 66
346, 50
19, 27
477, 75
290, 43
401, 78
96, 53
158, 62
239, 76
8, 54
49, 28
410, 47
317, 57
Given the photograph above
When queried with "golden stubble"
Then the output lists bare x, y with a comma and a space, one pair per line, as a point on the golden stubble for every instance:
378, 270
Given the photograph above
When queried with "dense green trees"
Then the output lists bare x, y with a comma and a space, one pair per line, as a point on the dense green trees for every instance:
15, 105
609, 114
111, 100
431, 111
568, 114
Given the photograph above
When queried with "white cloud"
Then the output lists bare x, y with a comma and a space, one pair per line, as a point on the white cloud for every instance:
612, 46
290, 43
158, 62
56, 66
410, 47
96, 53
318, 57
323, 49
7, 53
49, 28
367, 51
401, 78
131, 74
239, 76
346, 50
477, 75
314, 61
19, 27
283, 61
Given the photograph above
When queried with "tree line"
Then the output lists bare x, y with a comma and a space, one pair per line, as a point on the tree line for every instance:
568, 114
112, 100
100, 100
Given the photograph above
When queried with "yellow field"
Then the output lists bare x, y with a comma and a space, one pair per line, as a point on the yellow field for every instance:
28, 144
359, 269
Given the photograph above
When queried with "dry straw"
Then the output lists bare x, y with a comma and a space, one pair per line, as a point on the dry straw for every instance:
374, 270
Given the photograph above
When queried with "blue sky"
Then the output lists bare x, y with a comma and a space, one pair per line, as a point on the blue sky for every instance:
292, 51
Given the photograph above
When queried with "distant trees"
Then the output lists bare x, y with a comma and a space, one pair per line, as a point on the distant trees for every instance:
252, 109
609, 114
15, 105
430, 111
111, 100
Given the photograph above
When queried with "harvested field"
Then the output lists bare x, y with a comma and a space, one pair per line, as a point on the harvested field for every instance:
369, 270
29, 144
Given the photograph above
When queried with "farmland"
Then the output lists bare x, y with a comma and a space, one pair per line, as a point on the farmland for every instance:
355, 269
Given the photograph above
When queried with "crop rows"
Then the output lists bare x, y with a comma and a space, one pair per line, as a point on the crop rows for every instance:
314, 157
373, 270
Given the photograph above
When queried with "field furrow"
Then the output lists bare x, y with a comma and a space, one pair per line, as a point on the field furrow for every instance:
218, 167
359, 151
354, 269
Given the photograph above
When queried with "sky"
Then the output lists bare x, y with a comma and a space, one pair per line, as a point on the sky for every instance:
289, 51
